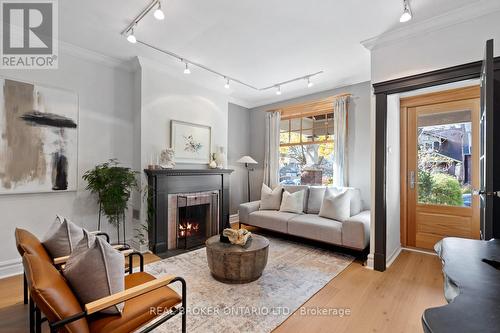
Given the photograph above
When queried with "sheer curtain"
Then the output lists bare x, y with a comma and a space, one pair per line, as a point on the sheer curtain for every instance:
272, 149
340, 106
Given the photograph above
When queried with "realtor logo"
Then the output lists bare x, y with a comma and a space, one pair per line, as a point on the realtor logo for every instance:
29, 34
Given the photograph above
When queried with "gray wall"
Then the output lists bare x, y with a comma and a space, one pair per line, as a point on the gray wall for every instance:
358, 141
238, 146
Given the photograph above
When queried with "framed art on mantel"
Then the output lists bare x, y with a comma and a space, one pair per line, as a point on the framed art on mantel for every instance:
191, 142
39, 138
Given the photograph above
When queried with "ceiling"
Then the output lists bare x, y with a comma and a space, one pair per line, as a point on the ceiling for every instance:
260, 42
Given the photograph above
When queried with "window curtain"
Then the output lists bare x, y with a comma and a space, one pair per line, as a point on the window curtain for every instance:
340, 106
272, 149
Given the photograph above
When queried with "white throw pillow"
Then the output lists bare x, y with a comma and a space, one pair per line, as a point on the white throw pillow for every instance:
95, 270
270, 199
336, 206
292, 202
62, 237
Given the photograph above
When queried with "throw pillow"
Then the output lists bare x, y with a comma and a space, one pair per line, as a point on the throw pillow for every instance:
62, 238
96, 272
316, 195
270, 199
336, 206
292, 202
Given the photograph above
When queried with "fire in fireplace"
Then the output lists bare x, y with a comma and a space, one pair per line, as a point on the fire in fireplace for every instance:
196, 218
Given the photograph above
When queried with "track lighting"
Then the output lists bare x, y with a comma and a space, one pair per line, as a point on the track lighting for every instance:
278, 91
131, 37
186, 69
406, 16
309, 83
227, 84
158, 14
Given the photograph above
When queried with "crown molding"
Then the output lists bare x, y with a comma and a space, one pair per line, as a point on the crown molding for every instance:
86, 54
453, 17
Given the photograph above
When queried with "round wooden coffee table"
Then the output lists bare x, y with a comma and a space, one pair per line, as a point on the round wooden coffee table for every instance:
230, 263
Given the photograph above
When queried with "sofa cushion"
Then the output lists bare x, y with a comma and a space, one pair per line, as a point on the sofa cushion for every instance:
292, 202
273, 220
315, 199
356, 205
336, 206
315, 227
270, 199
296, 188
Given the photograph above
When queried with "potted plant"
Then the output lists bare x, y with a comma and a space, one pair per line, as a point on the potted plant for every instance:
113, 184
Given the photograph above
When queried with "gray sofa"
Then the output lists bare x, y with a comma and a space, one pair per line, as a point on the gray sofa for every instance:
354, 233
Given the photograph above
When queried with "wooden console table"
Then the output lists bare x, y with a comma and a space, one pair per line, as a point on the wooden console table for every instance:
472, 288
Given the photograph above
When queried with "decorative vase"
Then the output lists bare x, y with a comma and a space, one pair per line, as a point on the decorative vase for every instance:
212, 165
221, 158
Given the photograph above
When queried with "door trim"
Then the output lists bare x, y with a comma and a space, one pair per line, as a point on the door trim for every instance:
381, 90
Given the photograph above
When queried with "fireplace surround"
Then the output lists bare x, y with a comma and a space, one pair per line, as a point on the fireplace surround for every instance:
188, 206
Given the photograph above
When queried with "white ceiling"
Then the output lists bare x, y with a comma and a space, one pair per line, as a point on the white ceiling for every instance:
260, 42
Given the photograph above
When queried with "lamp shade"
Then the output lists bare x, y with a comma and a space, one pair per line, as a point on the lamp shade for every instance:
247, 159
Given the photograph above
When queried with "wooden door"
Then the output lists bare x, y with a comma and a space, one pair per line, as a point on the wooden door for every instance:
441, 166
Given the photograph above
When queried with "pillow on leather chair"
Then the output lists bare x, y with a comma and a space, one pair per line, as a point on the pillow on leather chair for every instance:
62, 237
96, 271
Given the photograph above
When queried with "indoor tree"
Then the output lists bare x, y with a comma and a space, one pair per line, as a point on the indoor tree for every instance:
113, 184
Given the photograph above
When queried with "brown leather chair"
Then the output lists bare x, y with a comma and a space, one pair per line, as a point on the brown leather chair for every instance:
28, 243
54, 297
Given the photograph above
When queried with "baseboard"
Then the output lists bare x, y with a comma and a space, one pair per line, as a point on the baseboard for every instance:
393, 256
235, 218
10, 268
370, 262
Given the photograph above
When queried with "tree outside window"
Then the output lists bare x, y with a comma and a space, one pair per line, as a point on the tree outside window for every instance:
306, 150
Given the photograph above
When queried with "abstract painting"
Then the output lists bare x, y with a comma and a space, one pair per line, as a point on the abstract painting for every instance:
38, 141
191, 142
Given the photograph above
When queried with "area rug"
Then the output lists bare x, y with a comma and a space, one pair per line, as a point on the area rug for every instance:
293, 274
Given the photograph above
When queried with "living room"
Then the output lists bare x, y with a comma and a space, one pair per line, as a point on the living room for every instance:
249, 167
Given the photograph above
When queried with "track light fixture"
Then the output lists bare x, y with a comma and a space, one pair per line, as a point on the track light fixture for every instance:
158, 14
186, 69
131, 37
309, 83
407, 15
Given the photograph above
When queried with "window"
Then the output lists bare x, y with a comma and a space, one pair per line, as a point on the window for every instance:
306, 148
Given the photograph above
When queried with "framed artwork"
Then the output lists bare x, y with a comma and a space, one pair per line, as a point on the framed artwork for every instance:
191, 142
39, 138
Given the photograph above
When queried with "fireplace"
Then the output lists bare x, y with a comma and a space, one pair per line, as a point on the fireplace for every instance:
196, 219
187, 206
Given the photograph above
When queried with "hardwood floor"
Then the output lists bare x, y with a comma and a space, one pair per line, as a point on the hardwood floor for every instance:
392, 301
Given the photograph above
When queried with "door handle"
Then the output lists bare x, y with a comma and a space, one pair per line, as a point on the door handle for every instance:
412, 179
483, 192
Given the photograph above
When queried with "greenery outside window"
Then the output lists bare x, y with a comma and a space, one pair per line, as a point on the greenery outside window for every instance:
306, 149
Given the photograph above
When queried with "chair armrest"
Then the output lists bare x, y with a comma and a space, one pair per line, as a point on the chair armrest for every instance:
356, 231
246, 209
127, 294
